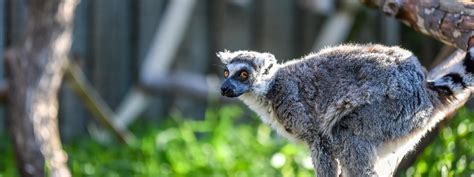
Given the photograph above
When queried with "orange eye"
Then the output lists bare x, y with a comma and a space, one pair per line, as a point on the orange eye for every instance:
244, 75
226, 73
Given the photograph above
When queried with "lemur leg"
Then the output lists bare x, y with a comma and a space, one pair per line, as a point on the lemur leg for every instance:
325, 164
358, 158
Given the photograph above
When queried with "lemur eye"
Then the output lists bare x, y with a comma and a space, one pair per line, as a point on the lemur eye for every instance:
226, 73
244, 75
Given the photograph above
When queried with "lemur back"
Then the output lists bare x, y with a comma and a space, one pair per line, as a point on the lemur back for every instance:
332, 84
360, 108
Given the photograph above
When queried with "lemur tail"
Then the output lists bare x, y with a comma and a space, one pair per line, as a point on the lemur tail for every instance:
460, 80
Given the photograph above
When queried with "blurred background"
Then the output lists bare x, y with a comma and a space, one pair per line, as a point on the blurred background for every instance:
153, 63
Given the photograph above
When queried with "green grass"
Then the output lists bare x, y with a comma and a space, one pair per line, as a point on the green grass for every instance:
184, 147
452, 152
226, 143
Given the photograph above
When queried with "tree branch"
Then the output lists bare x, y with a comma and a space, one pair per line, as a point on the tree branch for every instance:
95, 103
35, 69
159, 58
451, 22
192, 85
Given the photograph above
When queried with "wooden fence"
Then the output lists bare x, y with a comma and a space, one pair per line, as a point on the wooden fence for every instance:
112, 38
2, 46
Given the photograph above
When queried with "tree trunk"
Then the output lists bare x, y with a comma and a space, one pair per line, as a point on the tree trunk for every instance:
35, 70
450, 21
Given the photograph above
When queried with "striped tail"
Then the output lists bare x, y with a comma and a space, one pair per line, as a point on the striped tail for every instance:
459, 81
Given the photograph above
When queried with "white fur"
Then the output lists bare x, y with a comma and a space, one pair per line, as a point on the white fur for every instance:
226, 56
449, 82
452, 64
262, 82
265, 112
391, 153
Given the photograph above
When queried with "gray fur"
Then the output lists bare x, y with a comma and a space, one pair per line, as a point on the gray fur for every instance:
357, 107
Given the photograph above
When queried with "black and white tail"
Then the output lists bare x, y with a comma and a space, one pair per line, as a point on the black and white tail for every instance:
459, 81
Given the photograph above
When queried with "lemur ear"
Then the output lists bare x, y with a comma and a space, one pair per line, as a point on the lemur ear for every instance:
265, 59
270, 57
225, 56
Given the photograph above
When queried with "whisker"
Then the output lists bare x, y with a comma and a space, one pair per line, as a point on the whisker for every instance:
219, 65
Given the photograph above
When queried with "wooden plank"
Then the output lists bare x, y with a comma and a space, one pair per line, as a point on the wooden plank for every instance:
150, 15
112, 49
335, 30
194, 53
159, 58
2, 35
194, 57
366, 32
237, 26
390, 30
167, 39
216, 25
73, 117
325, 7
17, 21
81, 48
2, 46
307, 25
191, 85
16, 17
94, 102
277, 30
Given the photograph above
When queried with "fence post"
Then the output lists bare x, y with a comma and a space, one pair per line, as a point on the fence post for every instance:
73, 117
112, 49
277, 27
150, 13
194, 58
2, 46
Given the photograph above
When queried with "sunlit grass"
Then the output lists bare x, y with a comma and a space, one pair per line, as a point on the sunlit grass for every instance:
217, 146
452, 152
228, 143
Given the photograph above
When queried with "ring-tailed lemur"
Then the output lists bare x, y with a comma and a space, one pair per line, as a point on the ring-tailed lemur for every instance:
360, 108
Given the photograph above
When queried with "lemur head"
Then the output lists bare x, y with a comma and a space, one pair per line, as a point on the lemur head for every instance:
246, 71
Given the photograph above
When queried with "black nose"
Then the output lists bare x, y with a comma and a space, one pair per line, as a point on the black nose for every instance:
227, 91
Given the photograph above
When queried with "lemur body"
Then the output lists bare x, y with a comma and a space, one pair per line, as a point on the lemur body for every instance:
360, 108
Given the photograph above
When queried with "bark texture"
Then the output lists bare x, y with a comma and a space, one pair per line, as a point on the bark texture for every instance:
35, 70
449, 21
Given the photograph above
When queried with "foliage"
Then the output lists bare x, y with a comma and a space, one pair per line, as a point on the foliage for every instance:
7, 162
227, 144
452, 152
184, 147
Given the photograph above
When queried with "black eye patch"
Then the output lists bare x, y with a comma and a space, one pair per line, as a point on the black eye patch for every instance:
242, 70
242, 75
